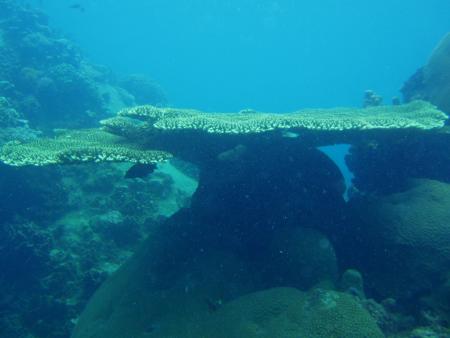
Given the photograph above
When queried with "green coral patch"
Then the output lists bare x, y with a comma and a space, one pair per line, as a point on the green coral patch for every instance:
91, 145
287, 312
417, 114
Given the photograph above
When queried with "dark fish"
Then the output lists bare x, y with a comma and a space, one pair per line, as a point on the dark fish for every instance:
78, 7
140, 170
213, 305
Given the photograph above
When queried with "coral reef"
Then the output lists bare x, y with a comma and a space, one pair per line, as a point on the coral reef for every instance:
12, 124
9, 117
240, 193
186, 260
267, 212
372, 99
64, 230
47, 79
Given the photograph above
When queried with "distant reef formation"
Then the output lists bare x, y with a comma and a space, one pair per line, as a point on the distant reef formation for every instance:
48, 81
432, 82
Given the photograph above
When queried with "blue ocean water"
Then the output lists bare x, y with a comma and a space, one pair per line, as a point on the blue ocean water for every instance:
261, 54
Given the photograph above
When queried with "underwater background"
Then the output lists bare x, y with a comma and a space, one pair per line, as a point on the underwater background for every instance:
286, 54
168, 222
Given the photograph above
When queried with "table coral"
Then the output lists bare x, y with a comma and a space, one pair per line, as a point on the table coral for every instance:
89, 145
417, 114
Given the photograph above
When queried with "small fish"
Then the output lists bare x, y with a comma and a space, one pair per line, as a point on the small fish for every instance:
140, 170
289, 134
78, 7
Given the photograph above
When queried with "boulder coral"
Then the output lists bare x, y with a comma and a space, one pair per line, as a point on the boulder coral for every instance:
277, 312
289, 313
406, 240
